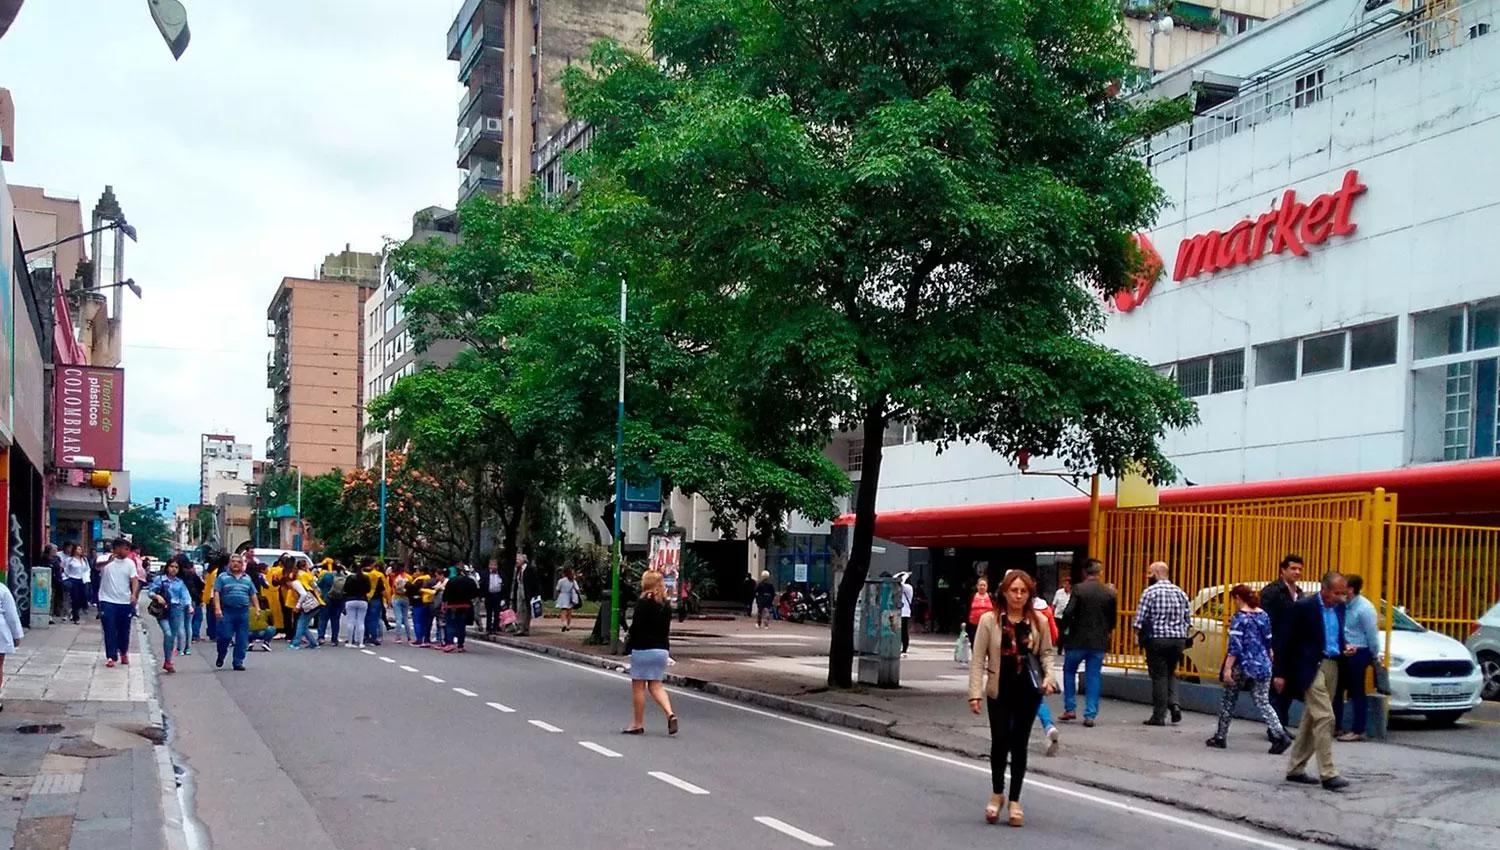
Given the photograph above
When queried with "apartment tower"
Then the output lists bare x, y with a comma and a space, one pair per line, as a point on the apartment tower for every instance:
510, 54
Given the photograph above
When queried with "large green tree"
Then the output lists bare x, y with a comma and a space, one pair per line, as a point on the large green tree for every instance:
147, 528
886, 211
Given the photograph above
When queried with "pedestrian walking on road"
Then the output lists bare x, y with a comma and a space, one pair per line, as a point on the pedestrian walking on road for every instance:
1307, 666
1161, 625
494, 595
1247, 667
567, 598
356, 605
458, 609
1088, 622
379, 596
175, 602
1010, 673
308, 606
980, 605
649, 645
10, 629
190, 577
1277, 599
401, 606
235, 597
527, 588
765, 598
76, 578
1362, 639
119, 590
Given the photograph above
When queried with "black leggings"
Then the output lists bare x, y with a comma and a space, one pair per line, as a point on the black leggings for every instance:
905, 633
1011, 719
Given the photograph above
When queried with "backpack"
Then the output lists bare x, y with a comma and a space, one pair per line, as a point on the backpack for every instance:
337, 590
401, 584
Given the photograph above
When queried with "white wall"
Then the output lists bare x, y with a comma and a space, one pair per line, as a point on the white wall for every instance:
1423, 137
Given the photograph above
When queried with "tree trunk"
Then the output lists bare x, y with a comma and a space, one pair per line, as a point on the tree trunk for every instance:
475, 555
511, 547
841, 638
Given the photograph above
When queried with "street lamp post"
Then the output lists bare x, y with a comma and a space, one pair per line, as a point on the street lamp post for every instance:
297, 538
614, 578
1160, 24
382, 495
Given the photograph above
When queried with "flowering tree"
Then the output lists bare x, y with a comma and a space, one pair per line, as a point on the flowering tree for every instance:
428, 512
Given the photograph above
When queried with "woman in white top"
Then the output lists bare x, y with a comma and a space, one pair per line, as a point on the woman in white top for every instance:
567, 598
10, 629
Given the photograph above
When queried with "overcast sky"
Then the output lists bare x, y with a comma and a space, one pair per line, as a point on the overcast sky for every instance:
288, 129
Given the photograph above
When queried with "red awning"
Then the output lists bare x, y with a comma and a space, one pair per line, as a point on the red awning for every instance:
1466, 493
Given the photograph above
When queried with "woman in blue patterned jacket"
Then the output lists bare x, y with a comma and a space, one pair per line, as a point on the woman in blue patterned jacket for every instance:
1247, 667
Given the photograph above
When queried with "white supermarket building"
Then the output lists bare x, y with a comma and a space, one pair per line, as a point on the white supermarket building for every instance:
1328, 293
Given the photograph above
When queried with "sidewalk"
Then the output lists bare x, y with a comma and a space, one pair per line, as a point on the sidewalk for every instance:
81, 766
1402, 797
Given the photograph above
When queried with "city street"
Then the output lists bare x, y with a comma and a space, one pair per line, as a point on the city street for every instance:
402, 747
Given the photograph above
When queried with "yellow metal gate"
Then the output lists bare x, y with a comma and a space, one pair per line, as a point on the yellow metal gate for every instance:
1445, 576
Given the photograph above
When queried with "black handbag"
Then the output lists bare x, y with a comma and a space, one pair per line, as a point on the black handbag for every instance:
1034, 671
157, 609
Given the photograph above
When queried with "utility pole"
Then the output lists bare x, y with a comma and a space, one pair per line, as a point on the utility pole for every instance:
614, 579
382, 495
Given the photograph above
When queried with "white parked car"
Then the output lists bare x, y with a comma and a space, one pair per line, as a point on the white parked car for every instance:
1484, 642
1430, 673
267, 557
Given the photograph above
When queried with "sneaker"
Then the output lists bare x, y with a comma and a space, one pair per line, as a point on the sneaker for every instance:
1053, 742
219, 662
460, 649
1281, 746
187, 651
168, 668
449, 648
109, 662
239, 668
1088, 722
124, 659
1217, 743
1068, 717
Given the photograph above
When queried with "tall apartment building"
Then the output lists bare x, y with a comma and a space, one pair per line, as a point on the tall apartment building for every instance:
388, 354
510, 54
314, 368
1197, 26
224, 466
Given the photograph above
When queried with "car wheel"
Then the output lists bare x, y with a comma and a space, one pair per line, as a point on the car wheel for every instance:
1489, 667
1443, 719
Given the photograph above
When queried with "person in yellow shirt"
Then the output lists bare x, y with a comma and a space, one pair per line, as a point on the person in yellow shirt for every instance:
420, 591
215, 564
379, 598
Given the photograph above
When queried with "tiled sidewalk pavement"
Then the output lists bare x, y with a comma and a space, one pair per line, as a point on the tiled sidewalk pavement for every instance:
79, 768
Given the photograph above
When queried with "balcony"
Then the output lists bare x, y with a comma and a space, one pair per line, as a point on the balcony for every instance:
485, 96
484, 49
461, 26
480, 139
481, 177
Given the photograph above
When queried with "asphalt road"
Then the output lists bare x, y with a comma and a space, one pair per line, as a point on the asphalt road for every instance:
337, 748
1477, 734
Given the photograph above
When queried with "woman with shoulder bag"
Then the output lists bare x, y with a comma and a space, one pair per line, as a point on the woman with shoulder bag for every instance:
1010, 673
1247, 667
171, 605
649, 646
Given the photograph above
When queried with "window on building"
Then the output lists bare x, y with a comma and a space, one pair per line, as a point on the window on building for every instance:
855, 459
390, 316
1228, 371
1470, 388
1235, 23
1308, 89
1193, 377
1323, 353
1373, 345
1275, 363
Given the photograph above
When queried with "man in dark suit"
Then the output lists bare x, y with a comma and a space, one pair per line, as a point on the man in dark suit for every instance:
1307, 667
1277, 599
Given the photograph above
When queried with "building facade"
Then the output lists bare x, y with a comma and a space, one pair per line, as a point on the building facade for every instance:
1198, 27
510, 54
314, 369
224, 466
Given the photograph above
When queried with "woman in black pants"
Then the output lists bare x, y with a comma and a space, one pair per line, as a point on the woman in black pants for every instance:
1002, 676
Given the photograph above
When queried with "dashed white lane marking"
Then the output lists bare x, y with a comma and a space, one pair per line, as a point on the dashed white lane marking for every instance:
677, 783
464, 692
1119, 805
387, 659
503, 709
601, 750
368, 651
787, 829
408, 669
435, 680
544, 726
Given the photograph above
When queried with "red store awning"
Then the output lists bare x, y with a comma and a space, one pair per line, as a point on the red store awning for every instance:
1466, 493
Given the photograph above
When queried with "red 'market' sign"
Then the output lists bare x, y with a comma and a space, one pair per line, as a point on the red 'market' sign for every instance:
1289, 226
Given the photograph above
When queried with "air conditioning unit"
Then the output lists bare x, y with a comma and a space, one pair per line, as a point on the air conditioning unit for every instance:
510, 113
493, 125
533, 50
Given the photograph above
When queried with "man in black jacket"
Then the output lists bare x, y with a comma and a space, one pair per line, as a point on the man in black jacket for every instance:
1276, 599
1307, 667
1087, 623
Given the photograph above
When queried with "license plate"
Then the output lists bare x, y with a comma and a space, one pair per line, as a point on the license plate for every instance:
1444, 689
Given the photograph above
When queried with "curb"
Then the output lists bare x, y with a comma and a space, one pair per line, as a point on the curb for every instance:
891, 729
173, 817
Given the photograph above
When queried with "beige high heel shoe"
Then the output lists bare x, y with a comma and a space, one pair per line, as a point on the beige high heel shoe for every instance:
992, 811
1017, 817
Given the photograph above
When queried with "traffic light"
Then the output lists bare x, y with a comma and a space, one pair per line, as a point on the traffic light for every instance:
161, 503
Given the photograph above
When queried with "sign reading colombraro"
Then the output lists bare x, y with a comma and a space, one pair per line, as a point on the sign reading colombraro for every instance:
89, 417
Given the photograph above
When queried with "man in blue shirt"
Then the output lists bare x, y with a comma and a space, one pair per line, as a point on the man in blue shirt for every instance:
1307, 667
234, 598
1362, 648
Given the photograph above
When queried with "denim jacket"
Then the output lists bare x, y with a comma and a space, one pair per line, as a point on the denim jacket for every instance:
174, 590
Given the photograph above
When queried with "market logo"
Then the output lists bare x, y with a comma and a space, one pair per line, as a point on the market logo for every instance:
1145, 277
1289, 226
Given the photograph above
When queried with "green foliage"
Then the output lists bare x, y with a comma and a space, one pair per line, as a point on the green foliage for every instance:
850, 214
146, 527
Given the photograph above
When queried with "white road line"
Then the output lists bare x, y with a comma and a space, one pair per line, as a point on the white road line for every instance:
787, 829
544, 726
677, 783
975, 767
368, 651
435, 680
463, 692
409, 669
601, 750
387, 659
503, 709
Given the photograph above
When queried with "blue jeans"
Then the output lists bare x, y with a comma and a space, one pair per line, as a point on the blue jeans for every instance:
78, 596
401, 607
1093, 678
234, 626
457, 623
423, 616
198, 621
332, 613
375, 620
173, 626
1352, 687
114, 618
267, 634
305, 624
1044, 714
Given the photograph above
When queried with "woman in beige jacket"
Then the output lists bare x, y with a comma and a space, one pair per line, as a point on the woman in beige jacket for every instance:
1000, 676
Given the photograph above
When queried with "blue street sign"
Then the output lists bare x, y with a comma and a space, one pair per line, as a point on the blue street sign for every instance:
643, 498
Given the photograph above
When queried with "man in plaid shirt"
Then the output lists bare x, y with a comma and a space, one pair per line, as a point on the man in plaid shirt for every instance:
1161, 624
